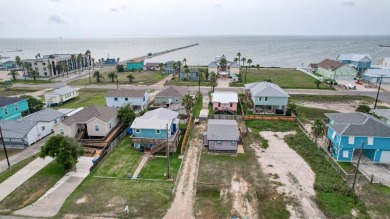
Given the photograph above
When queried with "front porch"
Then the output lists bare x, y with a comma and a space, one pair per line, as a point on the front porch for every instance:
269, 109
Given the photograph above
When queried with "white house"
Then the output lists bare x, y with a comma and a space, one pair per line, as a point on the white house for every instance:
138, 99
61, 95
232, 69
30, 129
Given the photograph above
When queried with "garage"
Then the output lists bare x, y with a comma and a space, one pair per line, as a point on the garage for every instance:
385, 157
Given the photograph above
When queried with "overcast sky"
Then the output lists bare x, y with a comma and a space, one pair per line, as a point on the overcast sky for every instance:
125, 18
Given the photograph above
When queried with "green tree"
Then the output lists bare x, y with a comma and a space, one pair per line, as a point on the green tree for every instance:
34, 74
235, 59
239, 77
258, 67
246, 70
363, 108
73, 59
223, 64
213, 80
63, 149
161, 66
249, 62
243, 61
126, 114
206, 75
13, 74
188, 103
179, 68
317, 83
130, 77
34, 104
120, 68
112, 76
79, 59
318, 128
19, 62
185, 61
293, 107
187, 71
239, 56
142, 112
98, 76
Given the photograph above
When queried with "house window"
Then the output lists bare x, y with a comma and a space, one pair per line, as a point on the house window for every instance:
36, 69
44, 69
345, 154
43, 128
43, 63
231, 104
62, 131
143, 99
158, 131
351, 140
16, 107
265, 98
219, 142
126, 99
370, 140
35, 63
233, 143
5, 110
259, 98
115, 98
109, 125
137, 130
97, 128
219, 104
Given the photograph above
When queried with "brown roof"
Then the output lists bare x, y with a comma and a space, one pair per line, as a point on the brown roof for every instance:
313, 65
330, 64
103, 113
125, 93
173, 91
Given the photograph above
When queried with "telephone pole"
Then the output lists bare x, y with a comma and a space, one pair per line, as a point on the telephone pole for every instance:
5, 149
377, 94
167, 153
357, 166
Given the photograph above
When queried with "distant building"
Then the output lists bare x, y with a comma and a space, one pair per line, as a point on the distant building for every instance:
222, 135
55, 65
61, 95
361, 62
9, 65
375, 75
138, 99
225, 102
12, 108
110, 61
313, 67
135, 64
168, 67
231, 70
385, 63
152, 66
336, 70
193, 75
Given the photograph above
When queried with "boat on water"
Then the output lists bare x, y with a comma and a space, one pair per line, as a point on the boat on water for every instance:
384, 45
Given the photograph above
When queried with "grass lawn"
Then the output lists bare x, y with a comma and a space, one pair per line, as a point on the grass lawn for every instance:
87, 97
33, 188
156, 168
217, 171
285, 78
10, 152
310, 113
17, 91
22, 81
140, 78
377, 199
187, 83
198, 106
121, 162
15, 168
330, 98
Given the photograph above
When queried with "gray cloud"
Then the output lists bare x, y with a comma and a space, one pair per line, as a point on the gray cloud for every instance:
113, 10
56, 19
218, 6
348, 2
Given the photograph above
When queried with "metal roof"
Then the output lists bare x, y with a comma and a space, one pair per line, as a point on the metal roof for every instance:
45, 115
222, 130
173, 91
102, 113
16, 129
385, 113
265, 89
225, 97
62, 90
125, 93
5, 101
353, 57
155, 119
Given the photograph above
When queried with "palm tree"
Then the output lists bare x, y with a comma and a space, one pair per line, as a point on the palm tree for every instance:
246, 70
318, 82
179, 67
98, 76
93, 63
239, 56
258, 67
243, 61
65, 67
235, 59
19, 62
187, 71
112, 76
130, 77
249, 62
185, 61
174, 66
34, 74
213, 80
14, 74
188, 103
73, 58
161, 66
318, 129
79, 58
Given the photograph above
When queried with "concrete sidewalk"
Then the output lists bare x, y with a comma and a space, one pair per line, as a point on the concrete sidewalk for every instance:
51, 202
28, 152
22, 175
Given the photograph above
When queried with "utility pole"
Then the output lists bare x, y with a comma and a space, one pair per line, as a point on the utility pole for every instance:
117, 74
167, 153
377, 94
357, 166
200, 75
5, 149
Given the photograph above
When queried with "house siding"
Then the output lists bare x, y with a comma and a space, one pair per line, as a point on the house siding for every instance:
133, 101
135, 65
12, 113
224, 146
275, 101
170, 100
221, 107
102, 128
344, 72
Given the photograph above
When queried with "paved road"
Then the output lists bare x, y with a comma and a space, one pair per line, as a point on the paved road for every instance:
51, 202
22, 175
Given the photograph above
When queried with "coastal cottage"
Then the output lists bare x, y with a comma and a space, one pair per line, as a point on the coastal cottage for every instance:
135, 64
109, 61
224, 102
336, 70
192, 75
12, 108
61, 95
222, 135
30, 129
168, 67
138, 99
267, 97
374, 76
384, 63
361, 62
152, 66
230, 70
346, 132
150, 131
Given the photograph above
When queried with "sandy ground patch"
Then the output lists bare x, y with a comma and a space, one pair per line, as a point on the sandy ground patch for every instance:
339, 107
183, 203
241, 206
292, 172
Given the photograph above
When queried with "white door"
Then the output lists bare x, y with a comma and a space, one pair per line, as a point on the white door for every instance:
385, 157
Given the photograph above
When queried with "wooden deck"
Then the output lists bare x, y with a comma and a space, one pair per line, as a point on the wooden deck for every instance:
159, 143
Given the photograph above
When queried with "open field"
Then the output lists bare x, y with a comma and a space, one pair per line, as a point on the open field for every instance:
284, 77
310, 113
87, 97
33, 188
15, 168
140, 78
330, 98
377, 199
17, 91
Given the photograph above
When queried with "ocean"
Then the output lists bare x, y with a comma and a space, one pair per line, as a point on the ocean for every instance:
267, 51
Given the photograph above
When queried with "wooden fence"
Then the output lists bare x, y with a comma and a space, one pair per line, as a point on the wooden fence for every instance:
188, 129
291, 118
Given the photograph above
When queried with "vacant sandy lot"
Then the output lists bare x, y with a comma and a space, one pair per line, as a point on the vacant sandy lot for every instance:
339, 107
294, 175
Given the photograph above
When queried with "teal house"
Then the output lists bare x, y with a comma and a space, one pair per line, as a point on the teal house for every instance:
332, 69
267, 98
347, 132
9, 65
135, 64
12, 108
151, 130
361, 62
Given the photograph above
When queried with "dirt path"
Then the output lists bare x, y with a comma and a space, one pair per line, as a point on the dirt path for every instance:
183, 203
241, 205
162, 81
292, 172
